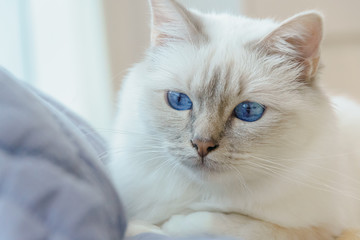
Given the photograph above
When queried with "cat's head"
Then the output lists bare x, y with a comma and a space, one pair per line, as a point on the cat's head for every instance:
217, 91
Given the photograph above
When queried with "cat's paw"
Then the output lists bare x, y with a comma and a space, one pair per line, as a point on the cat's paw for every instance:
138, 227
191, 224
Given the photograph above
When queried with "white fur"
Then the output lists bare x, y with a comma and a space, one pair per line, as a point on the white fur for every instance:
294, 173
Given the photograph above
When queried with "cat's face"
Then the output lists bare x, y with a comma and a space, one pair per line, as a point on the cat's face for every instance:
220, 91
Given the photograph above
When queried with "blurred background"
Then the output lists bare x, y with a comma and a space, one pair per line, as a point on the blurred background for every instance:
78, 51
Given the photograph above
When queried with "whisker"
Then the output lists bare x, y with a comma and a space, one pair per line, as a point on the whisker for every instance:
299, 162
126, 132
330, 181
278, 172
242, 179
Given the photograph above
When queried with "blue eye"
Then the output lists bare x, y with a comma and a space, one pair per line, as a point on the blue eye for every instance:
249, 111
179, 101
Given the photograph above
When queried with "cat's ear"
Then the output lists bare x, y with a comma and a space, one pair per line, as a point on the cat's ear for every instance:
299, 36
172, 22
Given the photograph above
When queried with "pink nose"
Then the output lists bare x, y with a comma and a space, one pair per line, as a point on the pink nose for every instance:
203, 147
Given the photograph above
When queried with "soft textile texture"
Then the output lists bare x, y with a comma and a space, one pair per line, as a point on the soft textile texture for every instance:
52, 185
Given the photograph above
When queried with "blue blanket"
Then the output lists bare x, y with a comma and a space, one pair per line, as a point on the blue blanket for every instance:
52, 183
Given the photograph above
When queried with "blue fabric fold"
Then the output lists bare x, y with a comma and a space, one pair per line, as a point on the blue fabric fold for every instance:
52, 183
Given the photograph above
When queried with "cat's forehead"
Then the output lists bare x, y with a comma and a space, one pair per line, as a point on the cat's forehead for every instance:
224, 63
216, 76
224, 68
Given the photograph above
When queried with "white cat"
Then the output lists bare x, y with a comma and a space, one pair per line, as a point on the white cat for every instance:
223, 129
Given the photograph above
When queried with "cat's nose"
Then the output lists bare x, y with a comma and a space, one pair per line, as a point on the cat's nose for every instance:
203, 147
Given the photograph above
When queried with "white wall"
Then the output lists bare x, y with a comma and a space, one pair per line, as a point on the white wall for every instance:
219, 6
70, 56
59, 46
13, 44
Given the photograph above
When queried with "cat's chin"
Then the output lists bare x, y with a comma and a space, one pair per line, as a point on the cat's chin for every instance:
205, 165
